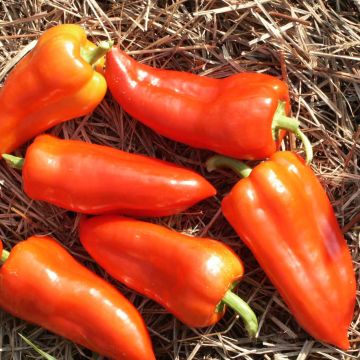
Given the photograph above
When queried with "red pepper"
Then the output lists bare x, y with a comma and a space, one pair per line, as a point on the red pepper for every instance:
55, 82
94, 179
42, 283
239, 116
283, 215
191, 277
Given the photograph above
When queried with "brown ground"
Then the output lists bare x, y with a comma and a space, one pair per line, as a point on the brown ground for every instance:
313, 45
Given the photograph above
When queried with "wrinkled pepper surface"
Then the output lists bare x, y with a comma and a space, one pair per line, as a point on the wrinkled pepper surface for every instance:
95, 179
42, 283
282, 213
239, 116
191, 277
55, 82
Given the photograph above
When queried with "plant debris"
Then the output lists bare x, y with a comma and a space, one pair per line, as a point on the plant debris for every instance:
312, 45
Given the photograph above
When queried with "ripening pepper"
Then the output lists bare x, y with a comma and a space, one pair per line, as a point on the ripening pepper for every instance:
42, 283
191, 277
95, 179
239, 116
284, 216
55, 82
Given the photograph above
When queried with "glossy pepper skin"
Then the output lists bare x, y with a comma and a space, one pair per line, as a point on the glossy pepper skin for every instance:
188, 276
95, 179
52, 84
42, 283
234, 116
284, 216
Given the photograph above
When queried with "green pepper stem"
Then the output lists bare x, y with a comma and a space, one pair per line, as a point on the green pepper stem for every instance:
307, 145
281, 121
219, 161
244, 310
14, 161
93, 55
4, 255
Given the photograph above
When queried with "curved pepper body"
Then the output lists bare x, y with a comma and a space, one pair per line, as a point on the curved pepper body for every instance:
188, 276
95, 179
52, 84
42, 283
231, 116
283, 215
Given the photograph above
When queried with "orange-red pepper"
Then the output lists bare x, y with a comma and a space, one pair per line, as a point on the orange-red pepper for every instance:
191, 277
55, 82
239, 116
95, 179
42, 283
282, 213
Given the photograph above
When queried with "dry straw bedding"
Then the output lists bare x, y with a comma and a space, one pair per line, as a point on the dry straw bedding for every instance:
313, 45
